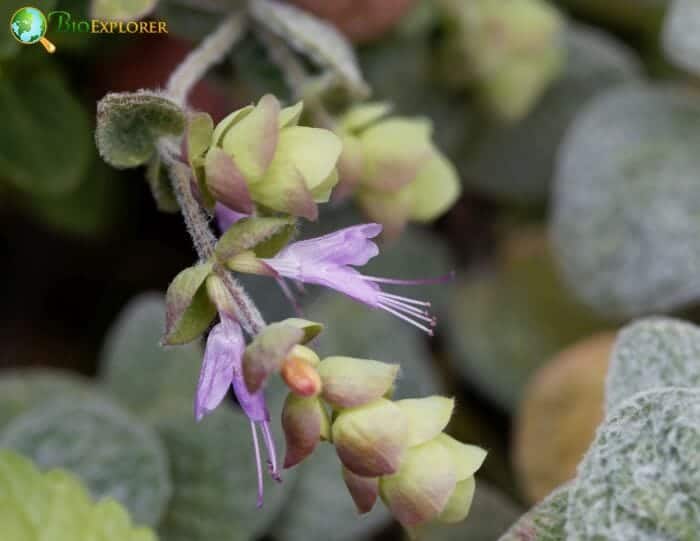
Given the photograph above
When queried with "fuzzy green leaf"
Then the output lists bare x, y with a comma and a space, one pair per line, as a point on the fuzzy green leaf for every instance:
130, 123
112, 453
680, 34
544, 522
56, 507
653, 353
189, 311
641, 477
255, 233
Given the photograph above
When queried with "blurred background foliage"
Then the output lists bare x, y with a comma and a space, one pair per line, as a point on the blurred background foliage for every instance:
573, 124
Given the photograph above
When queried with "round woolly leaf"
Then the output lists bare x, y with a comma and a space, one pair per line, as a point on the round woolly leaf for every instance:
515, 161
627, 206
641, 477
320, 506
214, 475
544, 522
137, 370
651, 353
557, 419
130, 123
681, 34
112, 453
56, 507
507, 323
21, 390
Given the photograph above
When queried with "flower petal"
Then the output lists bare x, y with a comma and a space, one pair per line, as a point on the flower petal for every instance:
224, 344
392, 210
351, 167
228, 122
313, 152
435, 189
252, 141
287, 193
289, 116
395, 150
460, 502
305, 421
364, 490
361, 116
226, 183
466, 459
421, 488
427, 417
350, 382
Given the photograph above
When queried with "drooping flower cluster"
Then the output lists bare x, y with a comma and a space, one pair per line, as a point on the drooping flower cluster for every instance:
396, 450
259, 171
393, 168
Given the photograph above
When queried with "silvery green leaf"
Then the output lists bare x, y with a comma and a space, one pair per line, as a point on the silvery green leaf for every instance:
313, 37
111, 452
516, 161
21, 390
641, 477
626, 214
544, 522
130, 123
653, 353
320, 506
137, 370
681, 34
214, 476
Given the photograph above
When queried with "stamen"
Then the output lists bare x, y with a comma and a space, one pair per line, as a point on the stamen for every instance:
406, 318
290, 296
258, 464
406, 299
410, 311
405, 307
438, 280
272, 455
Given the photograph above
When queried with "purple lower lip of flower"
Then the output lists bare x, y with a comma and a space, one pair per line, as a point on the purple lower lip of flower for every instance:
221, 368
327, 261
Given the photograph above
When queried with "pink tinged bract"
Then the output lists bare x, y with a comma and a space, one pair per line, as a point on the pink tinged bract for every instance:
328, 261
223, 367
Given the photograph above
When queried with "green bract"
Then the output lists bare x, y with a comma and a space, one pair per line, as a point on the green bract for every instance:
394, 168
55, 506
509, 50
260, 155
189, 310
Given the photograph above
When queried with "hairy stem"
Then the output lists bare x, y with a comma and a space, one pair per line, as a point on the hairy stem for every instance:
210, 52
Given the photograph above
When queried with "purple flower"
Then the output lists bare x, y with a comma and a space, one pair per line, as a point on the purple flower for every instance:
327, 261
226, 217
222, 367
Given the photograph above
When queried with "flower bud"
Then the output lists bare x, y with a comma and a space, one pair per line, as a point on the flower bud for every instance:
300, 376
370, 439
421, 488
364, 490
460, 502
305, 422
510, 55
259, 153
350, 382
466, 459
427, 417
395, 170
